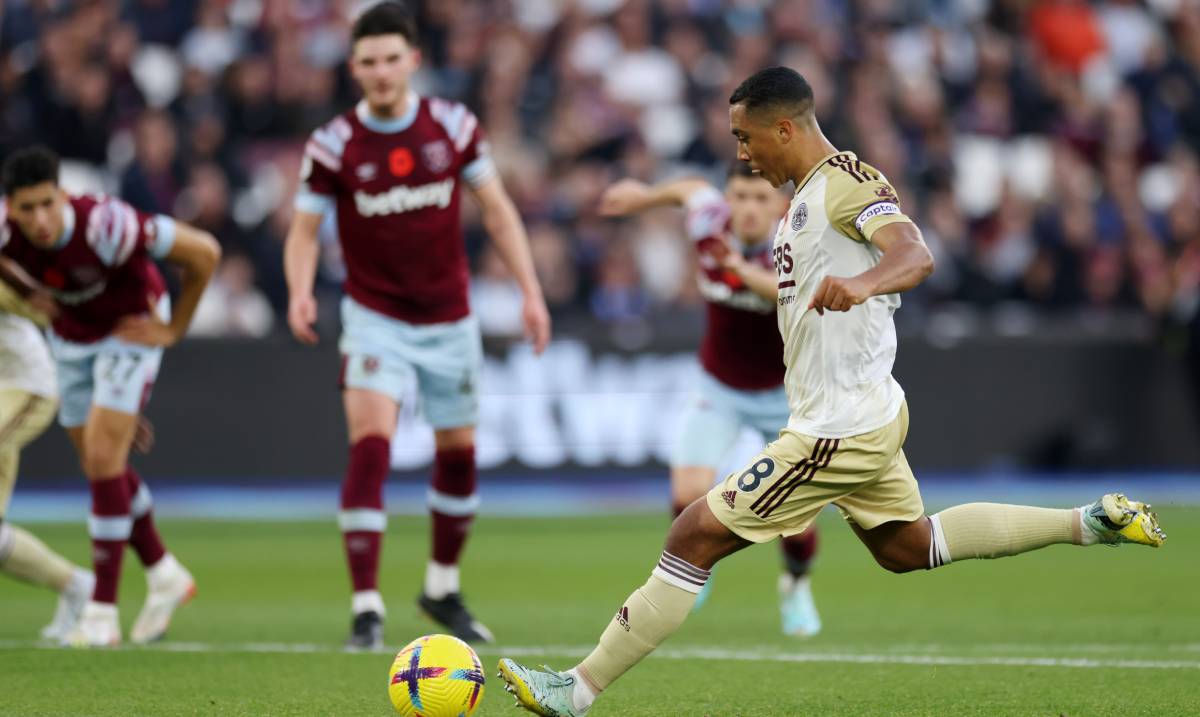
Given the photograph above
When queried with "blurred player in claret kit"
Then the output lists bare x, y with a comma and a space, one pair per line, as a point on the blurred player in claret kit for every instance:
741, 384
391, 169
96, 255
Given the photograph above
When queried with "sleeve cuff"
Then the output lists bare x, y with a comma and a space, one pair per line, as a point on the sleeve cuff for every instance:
164, 236
478, 172
313, 203
869, 229
703, 198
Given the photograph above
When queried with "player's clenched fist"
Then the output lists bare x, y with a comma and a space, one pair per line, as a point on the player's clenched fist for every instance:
839, 294
302, 314
624, 197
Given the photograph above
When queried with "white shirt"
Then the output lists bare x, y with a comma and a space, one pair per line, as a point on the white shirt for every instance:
839, 366
25, 363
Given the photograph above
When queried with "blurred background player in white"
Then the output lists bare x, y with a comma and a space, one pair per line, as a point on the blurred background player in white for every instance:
741, 354
390, 168
28, 399
96, 256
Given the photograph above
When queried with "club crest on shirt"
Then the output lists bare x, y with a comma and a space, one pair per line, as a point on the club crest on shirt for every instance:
437, 156
366, 172
800, 217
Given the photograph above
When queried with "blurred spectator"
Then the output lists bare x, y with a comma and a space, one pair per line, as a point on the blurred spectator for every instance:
154, 180
231, 306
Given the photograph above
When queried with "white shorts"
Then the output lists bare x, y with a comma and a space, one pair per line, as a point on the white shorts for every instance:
109, 373
715, 416
386, 355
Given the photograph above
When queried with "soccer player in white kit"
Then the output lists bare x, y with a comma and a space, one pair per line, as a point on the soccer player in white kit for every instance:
843, 255
28, 400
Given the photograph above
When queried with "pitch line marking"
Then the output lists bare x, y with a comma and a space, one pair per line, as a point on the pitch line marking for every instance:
685, 653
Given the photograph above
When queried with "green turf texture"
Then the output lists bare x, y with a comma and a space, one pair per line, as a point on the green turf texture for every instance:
557, 582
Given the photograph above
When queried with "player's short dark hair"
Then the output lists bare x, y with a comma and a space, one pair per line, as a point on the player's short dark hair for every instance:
780, 89
389, 17
29, 167
740, 169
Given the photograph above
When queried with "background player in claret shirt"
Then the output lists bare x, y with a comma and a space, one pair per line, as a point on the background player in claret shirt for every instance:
737, 387
96, 256
391, 169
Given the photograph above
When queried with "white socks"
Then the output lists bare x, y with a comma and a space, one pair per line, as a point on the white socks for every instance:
582, 696
440, 580
1086, 535
81, 582
367, 601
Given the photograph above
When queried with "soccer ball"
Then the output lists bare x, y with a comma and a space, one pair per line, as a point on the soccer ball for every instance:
436, 676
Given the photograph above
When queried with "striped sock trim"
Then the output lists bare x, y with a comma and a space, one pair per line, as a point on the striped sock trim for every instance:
680, 573
142, 502
457, 506
939, 552
368, 519
110, 527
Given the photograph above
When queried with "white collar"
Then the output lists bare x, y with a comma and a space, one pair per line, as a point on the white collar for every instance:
389, 126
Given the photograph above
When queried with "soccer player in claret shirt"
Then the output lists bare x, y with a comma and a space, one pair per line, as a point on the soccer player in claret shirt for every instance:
741, 384
843, 255
391, 168
96, 256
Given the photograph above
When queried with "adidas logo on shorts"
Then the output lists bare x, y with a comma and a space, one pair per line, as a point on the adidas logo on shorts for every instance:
729, 496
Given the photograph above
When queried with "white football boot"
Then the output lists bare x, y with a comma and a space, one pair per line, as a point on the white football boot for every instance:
98, 626
797, 608
70, 606
168, 586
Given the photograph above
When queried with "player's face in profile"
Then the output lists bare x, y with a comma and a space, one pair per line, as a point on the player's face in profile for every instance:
754, 207
757, 144
382, 65
37, 210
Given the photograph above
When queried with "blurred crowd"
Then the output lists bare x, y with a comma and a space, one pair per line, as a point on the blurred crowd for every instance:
1047, 148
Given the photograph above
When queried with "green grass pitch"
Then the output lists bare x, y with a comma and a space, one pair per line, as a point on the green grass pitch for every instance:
1063, 631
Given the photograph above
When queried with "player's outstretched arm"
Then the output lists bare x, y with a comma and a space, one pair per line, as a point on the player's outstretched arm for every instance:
504, 225
197, 253
301, 252
906, 263
630, 196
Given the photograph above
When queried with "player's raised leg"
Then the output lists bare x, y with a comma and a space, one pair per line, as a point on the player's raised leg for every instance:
23, 417
648, 617
996, 530
371, 420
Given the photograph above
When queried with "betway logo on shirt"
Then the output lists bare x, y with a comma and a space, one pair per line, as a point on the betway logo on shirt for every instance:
405, 199
80, 296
